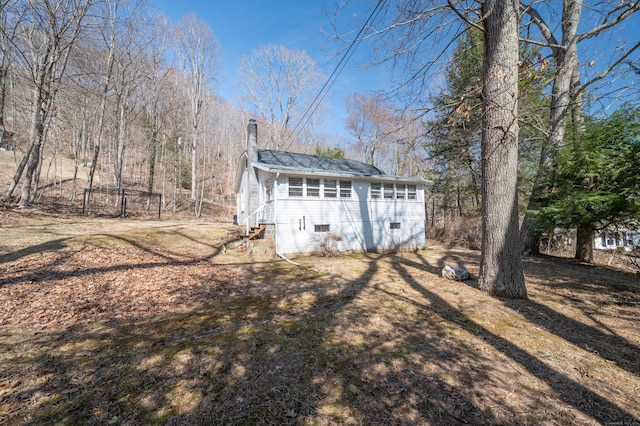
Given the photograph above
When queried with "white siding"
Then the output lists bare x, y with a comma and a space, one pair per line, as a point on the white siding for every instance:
241, 199
265, 182
360, 225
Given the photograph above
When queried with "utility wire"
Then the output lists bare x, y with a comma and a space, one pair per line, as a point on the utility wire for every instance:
317, 100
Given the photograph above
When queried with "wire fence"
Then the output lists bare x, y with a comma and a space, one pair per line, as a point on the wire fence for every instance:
120, 201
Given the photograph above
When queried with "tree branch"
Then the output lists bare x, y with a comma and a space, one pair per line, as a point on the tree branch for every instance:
464, 18
604, 73
541, 44
542, 25
595, 31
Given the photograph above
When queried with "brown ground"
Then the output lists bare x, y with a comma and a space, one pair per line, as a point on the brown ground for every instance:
107, 321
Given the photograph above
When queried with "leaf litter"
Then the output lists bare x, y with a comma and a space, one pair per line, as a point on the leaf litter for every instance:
149, 322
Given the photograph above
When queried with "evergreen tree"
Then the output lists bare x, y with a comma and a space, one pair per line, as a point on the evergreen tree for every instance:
596, 181
456, 132
328, 151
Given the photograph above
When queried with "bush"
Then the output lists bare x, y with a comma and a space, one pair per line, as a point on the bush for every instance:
328, 244
463, 232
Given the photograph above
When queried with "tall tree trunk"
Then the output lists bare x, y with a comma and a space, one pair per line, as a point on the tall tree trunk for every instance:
153, 153
18, 174
584, 234
194, 145
38, 171
80, 149
32, 143
4, 136
566, 62
46, 125
501, 272
118, 164
102, 108
584, 244
34, 159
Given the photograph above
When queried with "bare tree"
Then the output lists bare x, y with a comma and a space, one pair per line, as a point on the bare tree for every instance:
501, 271
198, 52
370, 122
108, 35
279, 86
9, 24
154, 91
49, 33
130, 71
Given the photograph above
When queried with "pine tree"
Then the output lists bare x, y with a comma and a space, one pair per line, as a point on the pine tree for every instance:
596, 181
454, 148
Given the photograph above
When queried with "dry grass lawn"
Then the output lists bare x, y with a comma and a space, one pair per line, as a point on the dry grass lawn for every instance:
152, 322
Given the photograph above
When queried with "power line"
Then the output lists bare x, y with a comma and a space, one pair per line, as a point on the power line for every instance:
322, 93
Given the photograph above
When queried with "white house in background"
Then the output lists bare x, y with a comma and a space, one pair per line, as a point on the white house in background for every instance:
609, 239
302, 201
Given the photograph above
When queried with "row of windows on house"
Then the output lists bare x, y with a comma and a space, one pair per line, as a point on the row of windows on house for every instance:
330, 188
619, 239
327, 228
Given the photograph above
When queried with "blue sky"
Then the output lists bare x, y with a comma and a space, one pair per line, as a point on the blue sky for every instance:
243, 25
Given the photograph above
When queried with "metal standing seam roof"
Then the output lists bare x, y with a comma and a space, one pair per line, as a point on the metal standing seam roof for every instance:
313, 163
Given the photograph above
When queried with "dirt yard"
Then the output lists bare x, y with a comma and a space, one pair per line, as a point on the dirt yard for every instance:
107, 321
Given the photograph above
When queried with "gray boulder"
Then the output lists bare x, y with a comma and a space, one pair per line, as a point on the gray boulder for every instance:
457, 274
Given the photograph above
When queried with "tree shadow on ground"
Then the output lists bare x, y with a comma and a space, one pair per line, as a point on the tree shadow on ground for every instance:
614, 348
567, 274
47, 271
53, 245
280, 345
268, 355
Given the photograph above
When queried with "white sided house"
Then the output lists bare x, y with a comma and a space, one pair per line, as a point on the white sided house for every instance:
616, 238
306, 202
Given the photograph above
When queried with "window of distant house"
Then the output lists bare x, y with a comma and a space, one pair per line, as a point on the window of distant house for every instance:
330, 189
313, 187
320, 228
295, 187
401, 191
387, 190
345, 189
412, 192
376, 190
394, 225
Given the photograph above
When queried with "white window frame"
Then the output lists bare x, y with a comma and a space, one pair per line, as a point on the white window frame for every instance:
330, 191
295, 188
412, 192
312, 191
345, 188
388, 191
376, 190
